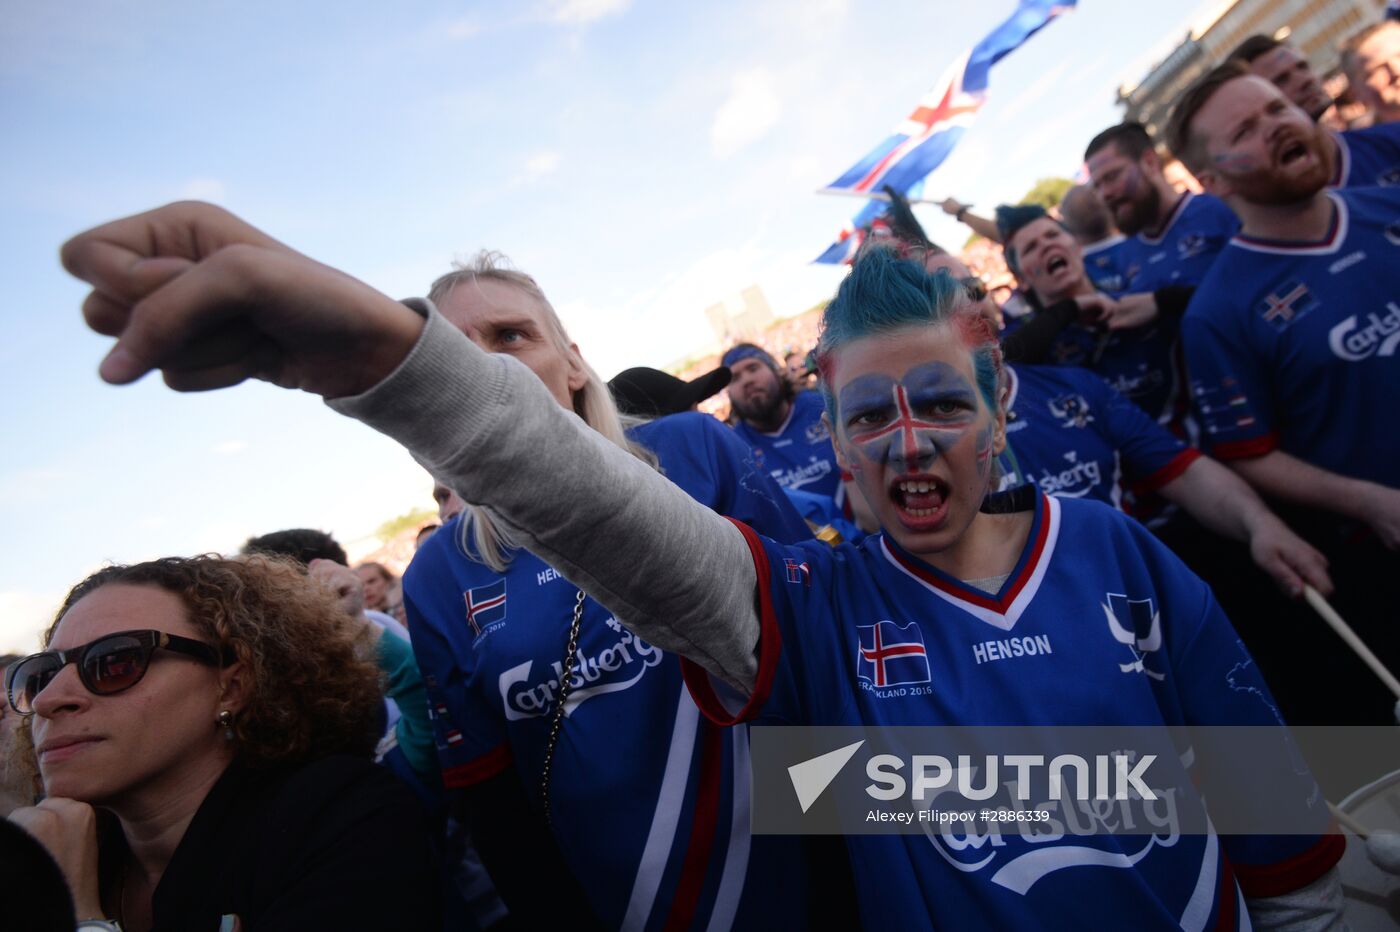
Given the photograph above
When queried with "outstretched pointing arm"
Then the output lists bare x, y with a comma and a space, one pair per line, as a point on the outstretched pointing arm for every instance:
195, 292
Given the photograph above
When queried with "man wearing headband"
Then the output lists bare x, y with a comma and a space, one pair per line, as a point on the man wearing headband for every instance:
784, 429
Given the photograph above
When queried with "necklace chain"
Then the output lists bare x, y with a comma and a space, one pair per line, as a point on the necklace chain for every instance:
565, 684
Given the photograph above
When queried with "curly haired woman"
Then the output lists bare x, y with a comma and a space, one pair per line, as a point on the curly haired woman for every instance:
216, 724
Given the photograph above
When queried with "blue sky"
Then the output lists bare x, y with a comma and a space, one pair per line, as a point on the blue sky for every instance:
642, 159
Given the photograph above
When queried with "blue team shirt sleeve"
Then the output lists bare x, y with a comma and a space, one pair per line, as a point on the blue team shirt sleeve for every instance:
716, 468
1151, 455
732, 484
1375, 156
469, 735
1229, 380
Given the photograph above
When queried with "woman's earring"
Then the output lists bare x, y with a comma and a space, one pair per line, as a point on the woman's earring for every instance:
225, 721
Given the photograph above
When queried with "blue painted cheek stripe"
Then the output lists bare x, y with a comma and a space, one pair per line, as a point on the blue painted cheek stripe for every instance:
908, 439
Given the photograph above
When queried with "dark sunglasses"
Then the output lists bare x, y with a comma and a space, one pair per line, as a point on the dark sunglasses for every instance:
108, 665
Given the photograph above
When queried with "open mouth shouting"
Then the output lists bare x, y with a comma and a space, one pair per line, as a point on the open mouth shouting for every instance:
1055, 267
921, 501
1290, 150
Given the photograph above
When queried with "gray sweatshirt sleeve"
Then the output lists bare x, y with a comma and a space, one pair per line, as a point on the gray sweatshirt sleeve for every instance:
677, 574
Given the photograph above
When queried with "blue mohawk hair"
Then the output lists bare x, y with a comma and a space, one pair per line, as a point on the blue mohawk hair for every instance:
885, 293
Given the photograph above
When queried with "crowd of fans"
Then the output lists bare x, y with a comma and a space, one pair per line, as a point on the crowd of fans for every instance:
1176, 398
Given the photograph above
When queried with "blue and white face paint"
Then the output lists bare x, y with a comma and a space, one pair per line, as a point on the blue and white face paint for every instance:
915, 432
908, 424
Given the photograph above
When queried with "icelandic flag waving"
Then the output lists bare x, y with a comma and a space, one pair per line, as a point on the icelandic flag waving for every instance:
921, 141
859, 226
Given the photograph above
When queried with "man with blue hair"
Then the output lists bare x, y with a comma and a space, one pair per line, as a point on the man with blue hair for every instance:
783, 428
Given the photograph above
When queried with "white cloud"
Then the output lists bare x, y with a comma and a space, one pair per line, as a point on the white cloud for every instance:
575, 12
619, 337
229, 447
751, 110
465, 28
204, 189
536, 166
828, 9
543, 163
810, 171
23, 616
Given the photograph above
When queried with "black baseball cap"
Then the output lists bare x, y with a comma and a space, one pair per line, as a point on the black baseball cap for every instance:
645, 392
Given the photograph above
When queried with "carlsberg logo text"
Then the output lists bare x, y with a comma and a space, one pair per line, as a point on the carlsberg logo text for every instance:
1355, 340
1113, 775
611, 670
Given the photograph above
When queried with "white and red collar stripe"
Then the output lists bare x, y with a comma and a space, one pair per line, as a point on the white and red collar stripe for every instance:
1020, 588
1336, 235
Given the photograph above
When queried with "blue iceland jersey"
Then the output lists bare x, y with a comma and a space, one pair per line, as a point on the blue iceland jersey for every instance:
1102, 266
871, 635
1198, 228
1140, 363
1144, 363
798, 455
649, 801
819, 511
1073, 436
1368, 158
1294, 345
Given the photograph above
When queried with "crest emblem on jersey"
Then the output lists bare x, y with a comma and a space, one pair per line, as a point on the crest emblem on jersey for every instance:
1136, 624
1109, 282
798, 572
486, 605
817, 431
1286, 304
1388, 178
1071, 410
890, 655
1192, 244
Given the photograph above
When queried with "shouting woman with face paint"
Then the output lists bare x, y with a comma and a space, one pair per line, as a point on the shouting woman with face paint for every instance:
914, 626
